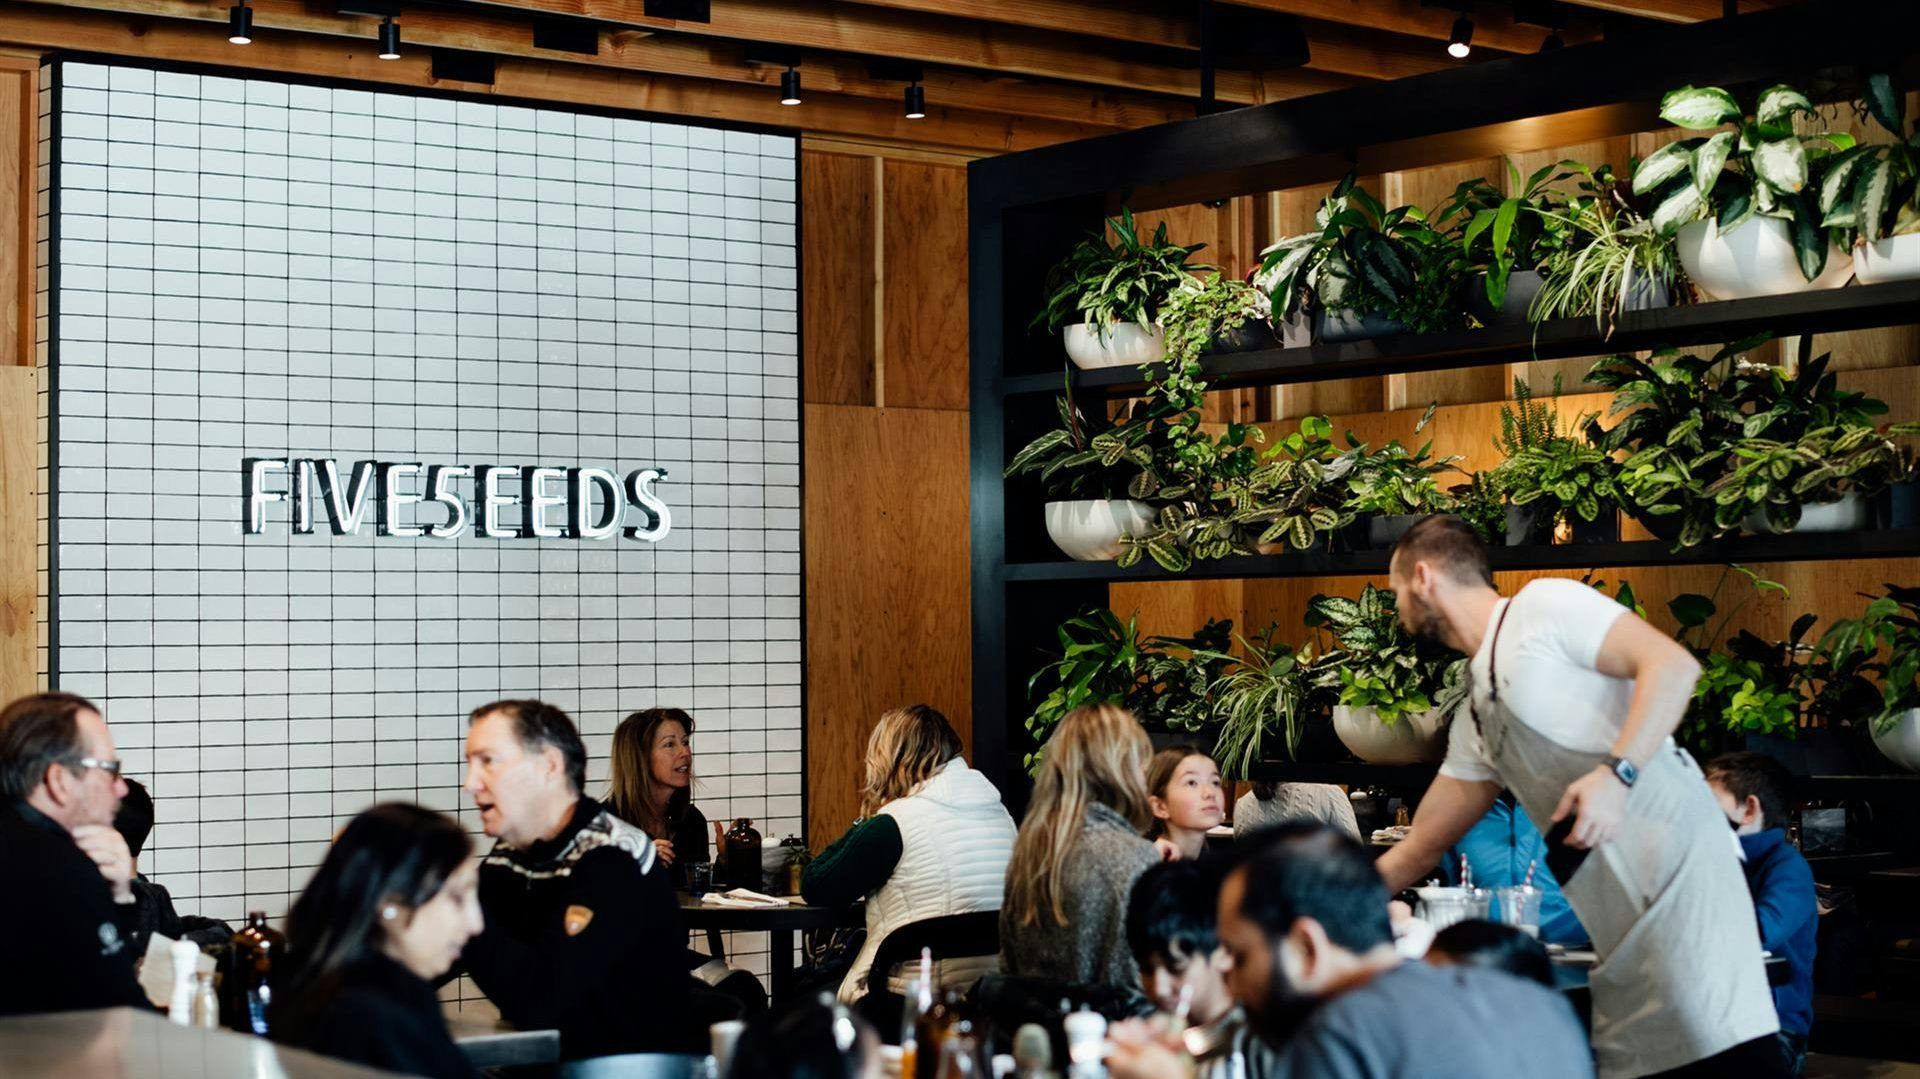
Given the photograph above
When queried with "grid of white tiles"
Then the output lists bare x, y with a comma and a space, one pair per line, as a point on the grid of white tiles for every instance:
251, 268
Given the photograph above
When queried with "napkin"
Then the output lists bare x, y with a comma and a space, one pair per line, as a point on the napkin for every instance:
744, 898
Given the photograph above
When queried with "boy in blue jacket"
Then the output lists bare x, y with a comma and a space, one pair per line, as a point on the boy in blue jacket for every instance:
1752, 790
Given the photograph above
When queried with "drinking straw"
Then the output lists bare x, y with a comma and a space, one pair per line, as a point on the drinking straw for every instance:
1466, 873
1528, 883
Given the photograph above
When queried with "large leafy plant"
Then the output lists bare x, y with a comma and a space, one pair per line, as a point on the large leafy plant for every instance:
1188, 473
1499, 233
1085, 457
1883, 641
1366, 259
1269, 689
1553, 470
1612, 251
1394, 480
1177, 678
1128, 280
1376, 664
1777, 478
1298, 491
1873, 190
1750, 165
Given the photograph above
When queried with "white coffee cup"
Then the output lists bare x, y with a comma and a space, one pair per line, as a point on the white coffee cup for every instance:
722, 1037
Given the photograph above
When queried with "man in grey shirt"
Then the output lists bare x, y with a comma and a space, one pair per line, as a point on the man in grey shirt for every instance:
1304, 919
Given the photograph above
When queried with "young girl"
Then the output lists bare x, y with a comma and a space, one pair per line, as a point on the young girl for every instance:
1187, 798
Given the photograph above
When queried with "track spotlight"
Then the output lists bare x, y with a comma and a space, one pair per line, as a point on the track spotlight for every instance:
1553, 42
389, 39
790, 86
1461, 42
240, 24
916, 102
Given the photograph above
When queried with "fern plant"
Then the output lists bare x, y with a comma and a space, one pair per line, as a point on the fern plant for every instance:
1548, 468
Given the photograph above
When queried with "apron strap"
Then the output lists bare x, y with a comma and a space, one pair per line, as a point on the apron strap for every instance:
1493, 668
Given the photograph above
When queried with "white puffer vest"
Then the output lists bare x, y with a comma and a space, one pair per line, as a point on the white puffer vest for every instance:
955, 840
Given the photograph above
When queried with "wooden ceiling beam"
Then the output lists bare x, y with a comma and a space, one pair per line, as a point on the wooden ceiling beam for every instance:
938, 39
143, 37
665, 54
1372, 54
1675, 10
1492, 27
1156, 23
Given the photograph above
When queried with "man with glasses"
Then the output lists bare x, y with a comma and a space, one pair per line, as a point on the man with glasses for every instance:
68, 875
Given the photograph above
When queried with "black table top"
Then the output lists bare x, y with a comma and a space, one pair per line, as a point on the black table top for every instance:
796, 915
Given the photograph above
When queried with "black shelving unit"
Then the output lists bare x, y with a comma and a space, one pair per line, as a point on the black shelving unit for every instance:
1026, 210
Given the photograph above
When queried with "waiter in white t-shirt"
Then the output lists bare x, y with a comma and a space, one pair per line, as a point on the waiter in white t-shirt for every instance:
1574, 702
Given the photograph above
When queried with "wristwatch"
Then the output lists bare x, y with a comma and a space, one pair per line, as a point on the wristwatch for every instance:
1622, 769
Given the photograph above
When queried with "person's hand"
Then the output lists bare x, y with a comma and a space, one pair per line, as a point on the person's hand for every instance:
1145, 1049
1169, 851
664, 848
1398, 913
108, 849
1599, 801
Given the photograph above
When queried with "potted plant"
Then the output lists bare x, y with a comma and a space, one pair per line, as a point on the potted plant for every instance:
1699, 623
1173, 698
1870, 194
1551, 477
1107, 298
1750, 695
1815, 483
1506, 239
1298, 491
1741, 203
1215, 315
1392, 487
1265, 691
1885, 640
1100, 660
1186, 473
1085, 465
1479, 503
1613, 261
1370, 271
1393, 701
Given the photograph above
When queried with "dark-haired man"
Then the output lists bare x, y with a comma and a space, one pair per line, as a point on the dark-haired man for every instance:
151, 900
1172, 929
67, 874
583, 931
1574, 701
1303, 918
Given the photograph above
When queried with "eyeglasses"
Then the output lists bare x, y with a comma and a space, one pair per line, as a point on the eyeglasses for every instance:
112, 767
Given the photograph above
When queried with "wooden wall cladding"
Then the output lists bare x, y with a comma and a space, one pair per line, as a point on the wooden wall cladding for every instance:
19, 529
923, 285
837, 278
885, 509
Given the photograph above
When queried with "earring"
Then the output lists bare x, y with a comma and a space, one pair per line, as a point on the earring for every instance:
390, 912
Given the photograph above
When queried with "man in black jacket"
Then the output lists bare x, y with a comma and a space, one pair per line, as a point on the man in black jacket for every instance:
583, 930
134, 822
69, 877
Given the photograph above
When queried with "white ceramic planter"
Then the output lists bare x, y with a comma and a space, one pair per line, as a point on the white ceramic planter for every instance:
1901, 743
1896, 258
1415, 739
1089, 529
1123, 345
1847, 514
1755, 259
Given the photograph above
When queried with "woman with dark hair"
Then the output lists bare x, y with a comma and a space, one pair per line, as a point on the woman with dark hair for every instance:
652, 786
386, 913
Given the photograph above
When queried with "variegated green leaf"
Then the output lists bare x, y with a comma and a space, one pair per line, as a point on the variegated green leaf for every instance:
1782, 163
1678, 208
1699, 107
1870, 194
1779, 103
1664, 164
1709, 160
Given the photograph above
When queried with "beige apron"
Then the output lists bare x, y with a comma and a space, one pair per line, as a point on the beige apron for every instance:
1680, 974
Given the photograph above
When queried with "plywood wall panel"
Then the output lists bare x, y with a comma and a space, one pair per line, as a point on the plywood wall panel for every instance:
923, 358
885, 513
19, 527
837, 194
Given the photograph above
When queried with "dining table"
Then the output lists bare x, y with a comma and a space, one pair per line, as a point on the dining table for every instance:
782, 924
133, 1043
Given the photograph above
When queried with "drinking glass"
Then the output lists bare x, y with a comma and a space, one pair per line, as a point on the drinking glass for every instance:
699, 878
1519, 906
1441, 907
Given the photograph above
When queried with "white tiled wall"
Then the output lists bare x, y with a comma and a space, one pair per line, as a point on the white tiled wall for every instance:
250, 268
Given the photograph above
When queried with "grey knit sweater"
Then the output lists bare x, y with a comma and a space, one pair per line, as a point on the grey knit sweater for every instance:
1091, 949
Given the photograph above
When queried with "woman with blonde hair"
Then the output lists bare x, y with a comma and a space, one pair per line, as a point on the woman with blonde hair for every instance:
652, 786
933, 840
1078, 854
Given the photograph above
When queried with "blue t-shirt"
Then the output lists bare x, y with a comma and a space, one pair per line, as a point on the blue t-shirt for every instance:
1499, 848
1783, 900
